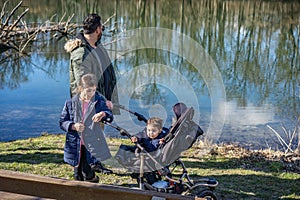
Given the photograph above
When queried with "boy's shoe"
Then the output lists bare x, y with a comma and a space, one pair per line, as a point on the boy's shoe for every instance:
98, 167
95, 179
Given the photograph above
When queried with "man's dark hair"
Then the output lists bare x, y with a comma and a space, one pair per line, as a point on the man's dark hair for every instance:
91, 22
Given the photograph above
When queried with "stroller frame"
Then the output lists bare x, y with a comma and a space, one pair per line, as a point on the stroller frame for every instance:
183, 185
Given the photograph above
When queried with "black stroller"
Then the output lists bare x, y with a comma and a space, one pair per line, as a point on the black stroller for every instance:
154, 170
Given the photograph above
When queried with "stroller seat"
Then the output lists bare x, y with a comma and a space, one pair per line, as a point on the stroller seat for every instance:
181, 137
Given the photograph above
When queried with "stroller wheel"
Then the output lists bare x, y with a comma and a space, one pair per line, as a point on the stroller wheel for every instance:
206, 194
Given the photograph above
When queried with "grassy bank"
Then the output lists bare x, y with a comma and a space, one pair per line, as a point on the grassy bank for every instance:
242, 174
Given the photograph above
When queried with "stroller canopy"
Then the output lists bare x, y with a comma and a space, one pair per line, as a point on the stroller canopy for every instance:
181, 137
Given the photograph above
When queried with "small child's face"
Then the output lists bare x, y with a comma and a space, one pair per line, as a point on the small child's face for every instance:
88, 93
152, 131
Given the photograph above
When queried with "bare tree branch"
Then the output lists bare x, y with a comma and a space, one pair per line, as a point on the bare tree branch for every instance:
12, 13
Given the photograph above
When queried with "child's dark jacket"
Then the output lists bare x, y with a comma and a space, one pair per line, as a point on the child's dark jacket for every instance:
149, 144
72, 113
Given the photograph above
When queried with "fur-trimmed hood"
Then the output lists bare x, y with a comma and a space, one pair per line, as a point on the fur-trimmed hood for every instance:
73, 44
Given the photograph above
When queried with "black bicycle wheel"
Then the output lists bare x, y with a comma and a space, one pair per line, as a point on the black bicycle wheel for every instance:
207, 194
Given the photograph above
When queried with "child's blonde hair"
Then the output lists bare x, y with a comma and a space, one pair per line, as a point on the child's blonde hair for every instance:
156, 122
86, 81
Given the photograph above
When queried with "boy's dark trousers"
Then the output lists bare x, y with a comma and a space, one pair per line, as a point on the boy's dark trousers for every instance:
83, 171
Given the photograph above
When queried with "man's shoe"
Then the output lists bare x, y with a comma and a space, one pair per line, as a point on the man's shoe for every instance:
78, 178
98, 167
95, 179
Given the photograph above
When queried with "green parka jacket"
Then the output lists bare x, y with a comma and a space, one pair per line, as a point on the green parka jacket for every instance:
86, 59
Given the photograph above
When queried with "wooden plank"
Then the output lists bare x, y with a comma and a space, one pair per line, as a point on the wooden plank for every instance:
14, 196
55, 188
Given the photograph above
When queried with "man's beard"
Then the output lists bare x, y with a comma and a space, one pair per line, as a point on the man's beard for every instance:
99, 37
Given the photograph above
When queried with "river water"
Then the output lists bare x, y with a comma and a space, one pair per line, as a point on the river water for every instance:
236, 63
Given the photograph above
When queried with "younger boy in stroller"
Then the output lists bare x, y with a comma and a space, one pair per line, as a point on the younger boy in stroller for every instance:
152, 136
150, 139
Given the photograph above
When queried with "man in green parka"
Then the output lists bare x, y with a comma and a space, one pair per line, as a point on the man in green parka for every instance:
87, 55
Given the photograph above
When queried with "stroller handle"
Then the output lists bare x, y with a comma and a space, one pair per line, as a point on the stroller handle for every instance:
122, 131
139, 116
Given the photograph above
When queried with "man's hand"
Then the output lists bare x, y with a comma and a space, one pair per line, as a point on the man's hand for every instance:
109, 104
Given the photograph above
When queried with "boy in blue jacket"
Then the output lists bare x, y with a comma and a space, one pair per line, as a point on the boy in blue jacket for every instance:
152, 136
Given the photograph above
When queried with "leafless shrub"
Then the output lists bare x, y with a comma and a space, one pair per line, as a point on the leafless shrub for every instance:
291, 137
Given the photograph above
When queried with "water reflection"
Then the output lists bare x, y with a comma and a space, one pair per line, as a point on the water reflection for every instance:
13, 72
255, 45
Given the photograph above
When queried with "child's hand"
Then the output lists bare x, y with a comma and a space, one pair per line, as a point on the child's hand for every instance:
162, 140
134, 139
98, 116
79, 127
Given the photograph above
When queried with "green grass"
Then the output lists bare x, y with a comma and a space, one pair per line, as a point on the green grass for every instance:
241, 174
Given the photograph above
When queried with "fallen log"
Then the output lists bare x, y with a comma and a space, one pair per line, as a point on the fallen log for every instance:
16, 34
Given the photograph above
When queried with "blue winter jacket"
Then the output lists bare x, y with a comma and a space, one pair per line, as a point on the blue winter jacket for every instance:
149, 144
71, 114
